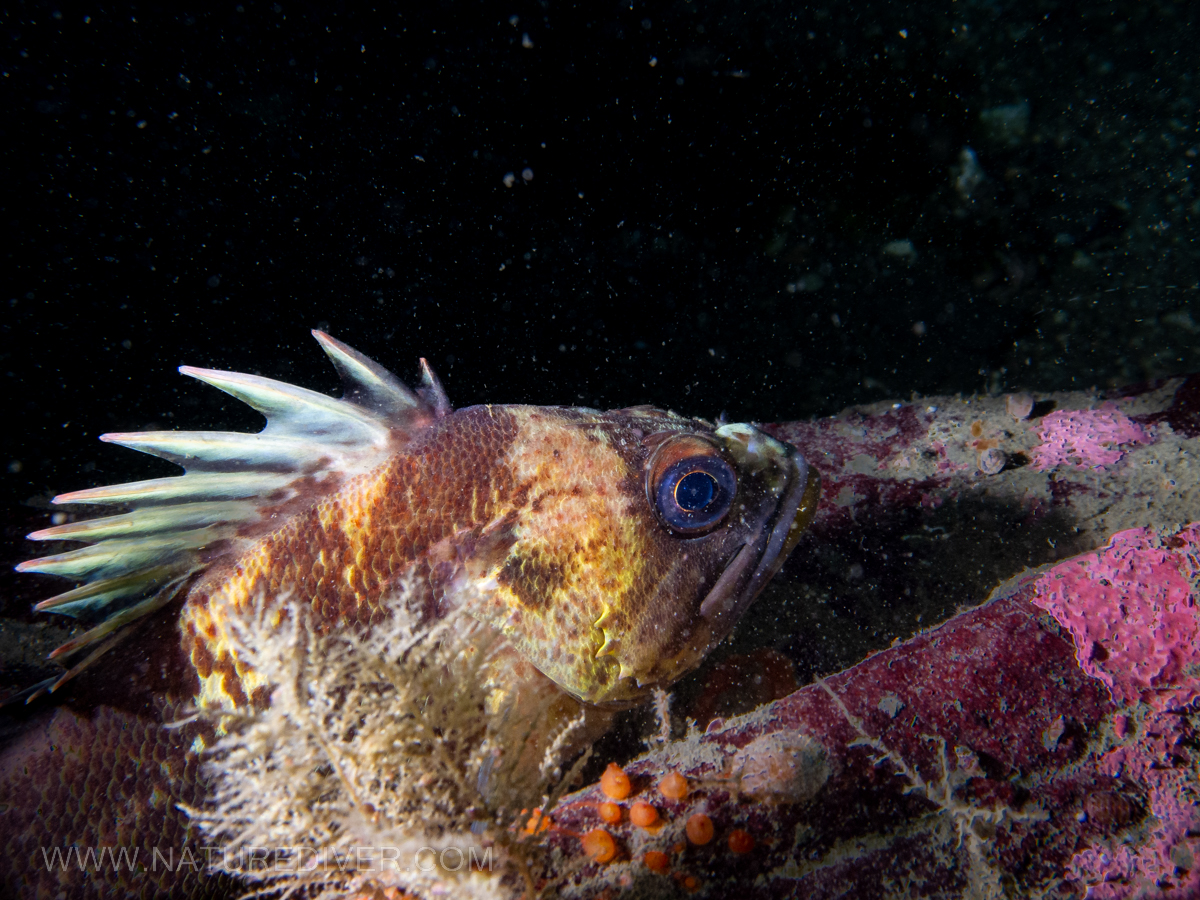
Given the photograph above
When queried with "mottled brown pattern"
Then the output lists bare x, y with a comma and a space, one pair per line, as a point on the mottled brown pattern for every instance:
533, 579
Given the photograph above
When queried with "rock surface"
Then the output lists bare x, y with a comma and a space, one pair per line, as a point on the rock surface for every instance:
1041, 745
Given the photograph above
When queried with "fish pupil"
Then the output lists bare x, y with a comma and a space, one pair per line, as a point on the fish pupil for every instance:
695, 491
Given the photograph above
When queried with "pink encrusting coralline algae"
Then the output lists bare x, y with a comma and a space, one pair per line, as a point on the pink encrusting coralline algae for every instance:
1131, 609
1085, 438
1133, 614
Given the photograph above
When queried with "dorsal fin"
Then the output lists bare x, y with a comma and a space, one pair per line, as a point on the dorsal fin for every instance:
235, 488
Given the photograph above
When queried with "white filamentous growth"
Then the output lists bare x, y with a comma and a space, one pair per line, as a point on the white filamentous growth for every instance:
662, 712
374, 741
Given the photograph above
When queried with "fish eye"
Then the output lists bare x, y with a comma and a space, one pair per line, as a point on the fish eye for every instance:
694, 494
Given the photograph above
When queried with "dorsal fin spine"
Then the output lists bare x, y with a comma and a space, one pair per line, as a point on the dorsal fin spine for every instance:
200, 451
292, 410
367, 383
432, 392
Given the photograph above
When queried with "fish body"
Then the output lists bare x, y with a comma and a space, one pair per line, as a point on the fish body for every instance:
610, 551
537, 519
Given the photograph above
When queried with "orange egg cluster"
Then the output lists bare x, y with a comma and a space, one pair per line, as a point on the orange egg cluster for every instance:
674, 787
615, 783
610, 813
656, 861
740, 841
599, 845
699, 829
643, 815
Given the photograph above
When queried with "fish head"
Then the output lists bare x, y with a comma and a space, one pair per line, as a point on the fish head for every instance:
636, 541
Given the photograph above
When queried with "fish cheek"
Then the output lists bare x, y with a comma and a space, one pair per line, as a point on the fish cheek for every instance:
667, 636
546, 597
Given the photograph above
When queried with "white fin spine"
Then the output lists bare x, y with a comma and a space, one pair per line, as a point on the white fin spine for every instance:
236, 488
84, 663
150, 520
121, 624
114, 622
368, 384
103, 592
112, 558
203, 451
224, 486
432, 392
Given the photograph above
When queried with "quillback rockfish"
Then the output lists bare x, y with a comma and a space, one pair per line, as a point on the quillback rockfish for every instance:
608, 551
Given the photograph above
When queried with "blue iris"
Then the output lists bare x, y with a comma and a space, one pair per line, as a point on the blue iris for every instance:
695, 494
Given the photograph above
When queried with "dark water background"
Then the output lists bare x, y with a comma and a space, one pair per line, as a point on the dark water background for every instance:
771, 209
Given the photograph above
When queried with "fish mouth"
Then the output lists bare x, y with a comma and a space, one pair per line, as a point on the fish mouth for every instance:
756, 562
